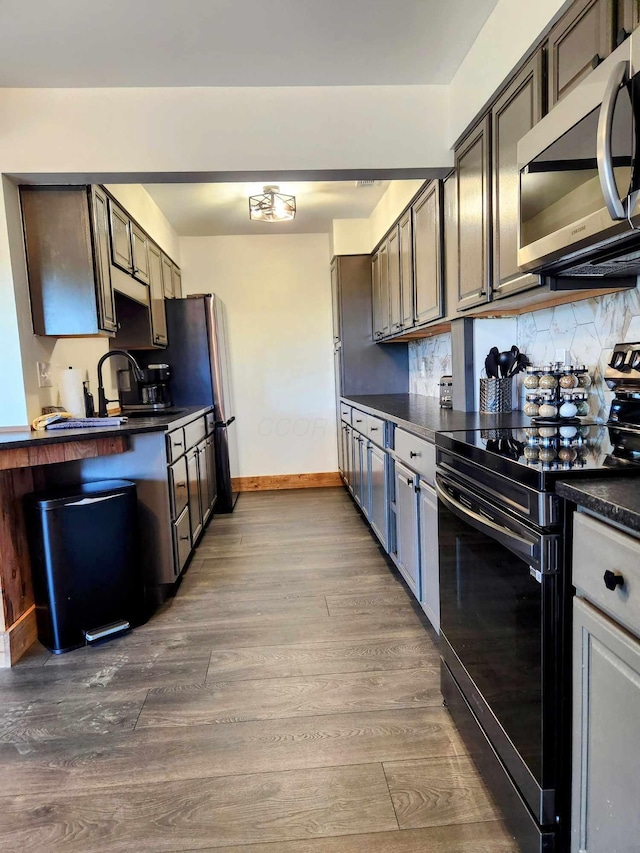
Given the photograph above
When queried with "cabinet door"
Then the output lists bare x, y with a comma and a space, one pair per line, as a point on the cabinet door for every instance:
346, 453
356, 441
378, 493
395, 299
203, 481
513, 114
178, 487
579, 41
627, 18
474, 216
140, 254
158, 314
176, 282
429, 571
211, 471
450, 235
167, 277
365, 478
407, 527
385, 318
427, 254
376, 297
335, 300
120, 223
606, 731
195, 510
104, 288
406, 270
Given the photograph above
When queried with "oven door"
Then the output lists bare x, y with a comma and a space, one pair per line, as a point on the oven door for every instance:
499, 615
576, 173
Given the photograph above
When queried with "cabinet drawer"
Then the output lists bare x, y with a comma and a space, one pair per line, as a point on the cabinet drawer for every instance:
178, 486
600, 548
194, 433
417, 453
181, 541
345, 413
175, 444
375, 430
358, 420
210, 422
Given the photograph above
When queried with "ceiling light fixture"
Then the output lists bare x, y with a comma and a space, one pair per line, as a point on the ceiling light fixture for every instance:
272, 205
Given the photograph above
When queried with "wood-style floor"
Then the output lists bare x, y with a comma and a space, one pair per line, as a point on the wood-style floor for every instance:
285, 701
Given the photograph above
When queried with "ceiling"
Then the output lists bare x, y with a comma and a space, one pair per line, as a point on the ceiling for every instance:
75, 43
205, 210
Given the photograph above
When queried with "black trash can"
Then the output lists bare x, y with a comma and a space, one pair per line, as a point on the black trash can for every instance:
85, 565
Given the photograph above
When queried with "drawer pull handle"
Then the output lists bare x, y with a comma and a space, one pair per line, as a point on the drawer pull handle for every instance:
177, 444
409, 481
374, 429
413, 454
181, 485
184, 538
358, 421
613, 579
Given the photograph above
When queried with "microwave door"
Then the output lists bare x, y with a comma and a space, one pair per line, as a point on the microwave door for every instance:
576, 171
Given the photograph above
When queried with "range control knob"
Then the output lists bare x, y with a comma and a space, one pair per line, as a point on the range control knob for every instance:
613, 579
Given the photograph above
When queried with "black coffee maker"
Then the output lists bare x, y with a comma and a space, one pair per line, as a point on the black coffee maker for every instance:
149, 394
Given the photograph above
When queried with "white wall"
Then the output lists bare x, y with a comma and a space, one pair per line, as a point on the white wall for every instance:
277, 292
351, 237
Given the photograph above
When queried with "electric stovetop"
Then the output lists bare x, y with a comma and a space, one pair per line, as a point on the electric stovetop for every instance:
537, 456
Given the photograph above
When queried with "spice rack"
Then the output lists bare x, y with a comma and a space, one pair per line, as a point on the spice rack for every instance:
557, 447
556, 393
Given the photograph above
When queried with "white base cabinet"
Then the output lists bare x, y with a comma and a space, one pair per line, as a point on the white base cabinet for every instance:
407, 546
429, 565
378, 493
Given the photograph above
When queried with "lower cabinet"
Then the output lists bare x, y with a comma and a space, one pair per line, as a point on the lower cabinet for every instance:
195, 510
356, 471
606, 731
379, 506
406, 544
429, 566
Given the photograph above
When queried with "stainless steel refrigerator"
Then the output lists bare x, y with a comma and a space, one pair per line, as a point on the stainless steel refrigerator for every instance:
199, 359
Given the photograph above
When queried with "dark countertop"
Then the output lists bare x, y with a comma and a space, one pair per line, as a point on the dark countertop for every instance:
617, 499
30, 438
423, 415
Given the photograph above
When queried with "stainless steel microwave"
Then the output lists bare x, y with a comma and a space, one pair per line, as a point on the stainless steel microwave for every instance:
580, 175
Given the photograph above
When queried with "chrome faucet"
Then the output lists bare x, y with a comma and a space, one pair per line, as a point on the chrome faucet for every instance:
137, 372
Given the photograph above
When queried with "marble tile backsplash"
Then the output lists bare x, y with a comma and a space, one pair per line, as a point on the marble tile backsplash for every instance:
587, 328
429, 359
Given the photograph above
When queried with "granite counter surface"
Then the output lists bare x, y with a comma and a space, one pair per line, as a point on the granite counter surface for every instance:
617, 498
423, 415
13, 439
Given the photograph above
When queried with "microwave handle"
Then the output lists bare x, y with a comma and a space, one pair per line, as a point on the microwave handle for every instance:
615, 205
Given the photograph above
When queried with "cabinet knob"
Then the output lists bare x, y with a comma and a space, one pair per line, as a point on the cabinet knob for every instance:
413, 454
409, 481
622, 35
597, 59
613, 579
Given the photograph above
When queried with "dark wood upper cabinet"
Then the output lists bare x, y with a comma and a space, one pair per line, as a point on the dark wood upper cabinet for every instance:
383, 264
167, 277
473, 168
578, 43
158, 315
121, 252
395, 297
450, 235
139, 254
427, 254
513, 114
66, 233
405, 233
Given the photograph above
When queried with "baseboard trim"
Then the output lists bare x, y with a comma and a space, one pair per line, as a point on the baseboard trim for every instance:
20, 636
286, 481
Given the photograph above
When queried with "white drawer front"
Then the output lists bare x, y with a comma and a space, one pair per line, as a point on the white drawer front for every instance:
359, 421
597, 549
375, 430
345, 413
418, 454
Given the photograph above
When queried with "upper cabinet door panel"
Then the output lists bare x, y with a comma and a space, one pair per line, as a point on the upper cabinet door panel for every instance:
395, 306
406, 270
578, 42
473, 167
383, 263
450, 228
176, 282
335, 301
376, 297
167, 277
517, 110
158, 316
120, 237
104, 289
427, 255
140, 254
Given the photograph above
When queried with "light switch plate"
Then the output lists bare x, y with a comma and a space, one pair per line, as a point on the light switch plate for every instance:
44, 374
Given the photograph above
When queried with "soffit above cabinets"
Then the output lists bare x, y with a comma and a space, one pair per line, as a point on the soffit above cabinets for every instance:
211, 210
73, 43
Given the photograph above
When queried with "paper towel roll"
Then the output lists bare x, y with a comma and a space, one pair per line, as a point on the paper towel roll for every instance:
71, 397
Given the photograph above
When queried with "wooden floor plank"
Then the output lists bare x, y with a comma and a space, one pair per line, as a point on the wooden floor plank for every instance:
264, 699
366, 604
438, 791
170, 816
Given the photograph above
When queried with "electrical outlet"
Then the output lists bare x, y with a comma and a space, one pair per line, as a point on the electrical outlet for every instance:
44, 374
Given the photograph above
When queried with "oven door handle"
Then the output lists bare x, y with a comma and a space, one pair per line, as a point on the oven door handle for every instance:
514, 543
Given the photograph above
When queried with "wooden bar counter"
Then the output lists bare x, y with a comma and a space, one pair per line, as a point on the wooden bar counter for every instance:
21, 456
